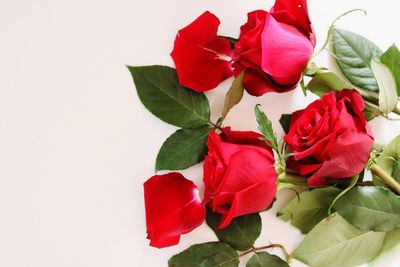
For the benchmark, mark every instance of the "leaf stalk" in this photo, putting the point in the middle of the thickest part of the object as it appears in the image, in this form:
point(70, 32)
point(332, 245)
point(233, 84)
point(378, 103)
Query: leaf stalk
point(386, 178)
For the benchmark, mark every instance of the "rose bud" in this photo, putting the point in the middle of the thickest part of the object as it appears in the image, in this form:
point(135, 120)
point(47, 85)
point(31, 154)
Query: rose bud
point(202, 59)
point(330, 138)
point(173, 207)
point(274, 47)
point(239, 174)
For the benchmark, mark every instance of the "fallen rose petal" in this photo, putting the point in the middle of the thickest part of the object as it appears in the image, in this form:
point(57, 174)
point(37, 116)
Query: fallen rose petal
point(202, 59)
point(173, 207)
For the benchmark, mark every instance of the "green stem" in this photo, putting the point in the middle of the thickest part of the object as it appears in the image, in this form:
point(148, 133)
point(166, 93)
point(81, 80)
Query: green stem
point(344, 182)
point(386, 178)
point(352, 183)
point(254, 250)
point(214, 126)
point(331, 29)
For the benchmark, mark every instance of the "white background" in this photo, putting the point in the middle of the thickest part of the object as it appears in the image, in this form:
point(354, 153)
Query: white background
point(75, 142)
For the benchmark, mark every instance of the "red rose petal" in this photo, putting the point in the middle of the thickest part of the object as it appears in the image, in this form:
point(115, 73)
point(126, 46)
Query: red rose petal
point(356, 147)
point(248, 49)
point(285, 52)
point(255, 198)
point(202, 59)
point(243, 138)
point(251, 176)
point(252, 199)
point(258, 83)
point(293, 12)
point(173, 207)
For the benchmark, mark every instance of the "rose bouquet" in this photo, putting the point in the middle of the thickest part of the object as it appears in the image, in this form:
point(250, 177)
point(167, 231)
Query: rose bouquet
point(348, 217)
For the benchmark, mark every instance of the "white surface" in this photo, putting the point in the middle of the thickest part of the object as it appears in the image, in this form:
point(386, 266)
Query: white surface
point(75, 142)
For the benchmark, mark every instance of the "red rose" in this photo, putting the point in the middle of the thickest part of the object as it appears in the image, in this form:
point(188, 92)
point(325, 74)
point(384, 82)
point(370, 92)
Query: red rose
point(239, 174)
point(173, 207)
point(274, 48)
point(202, 59)
point(330, 138)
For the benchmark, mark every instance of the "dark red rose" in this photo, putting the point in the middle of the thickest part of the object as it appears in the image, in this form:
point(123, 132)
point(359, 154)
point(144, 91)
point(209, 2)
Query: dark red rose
point(239, 174)
point(173, 207)
point(274, 47)
point(330, 138)
point(202, 59)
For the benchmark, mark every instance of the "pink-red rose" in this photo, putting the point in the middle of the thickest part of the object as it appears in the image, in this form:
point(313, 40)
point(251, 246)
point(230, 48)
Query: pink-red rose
point(239, 174)
point(273, 50)
point(330, 138)
point(274, 47)
point(173, 207)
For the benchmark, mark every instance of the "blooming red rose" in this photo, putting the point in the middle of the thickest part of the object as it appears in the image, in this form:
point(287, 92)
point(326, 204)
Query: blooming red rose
point(173, 207)
point(202, 59)
point(239, 174)
point(274, 47)
point(330, 138)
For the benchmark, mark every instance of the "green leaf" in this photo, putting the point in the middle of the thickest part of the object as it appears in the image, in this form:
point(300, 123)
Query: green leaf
point(265, 127)
point(264, 259)
point(210, 254)
point(285, 122)
point(370, 208)
point(234, 94)
point(323, 83)
point(391, 58)
point(159, 90)
point(309, 208)
point(387, 87)
point(183, 149)
point(241, 233)
point(370, 112)
point(335, 242)
point(391, 245)
point(354, 54)
point(389, 160)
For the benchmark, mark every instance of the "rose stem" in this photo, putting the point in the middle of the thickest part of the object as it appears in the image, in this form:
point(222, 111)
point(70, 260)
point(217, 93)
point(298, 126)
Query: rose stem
point(215, 126)
point(389, 180)
point(344, 182)
point(254, 249)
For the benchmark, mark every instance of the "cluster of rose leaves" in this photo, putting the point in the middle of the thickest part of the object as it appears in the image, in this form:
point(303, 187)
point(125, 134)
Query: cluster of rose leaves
point(328, 140)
